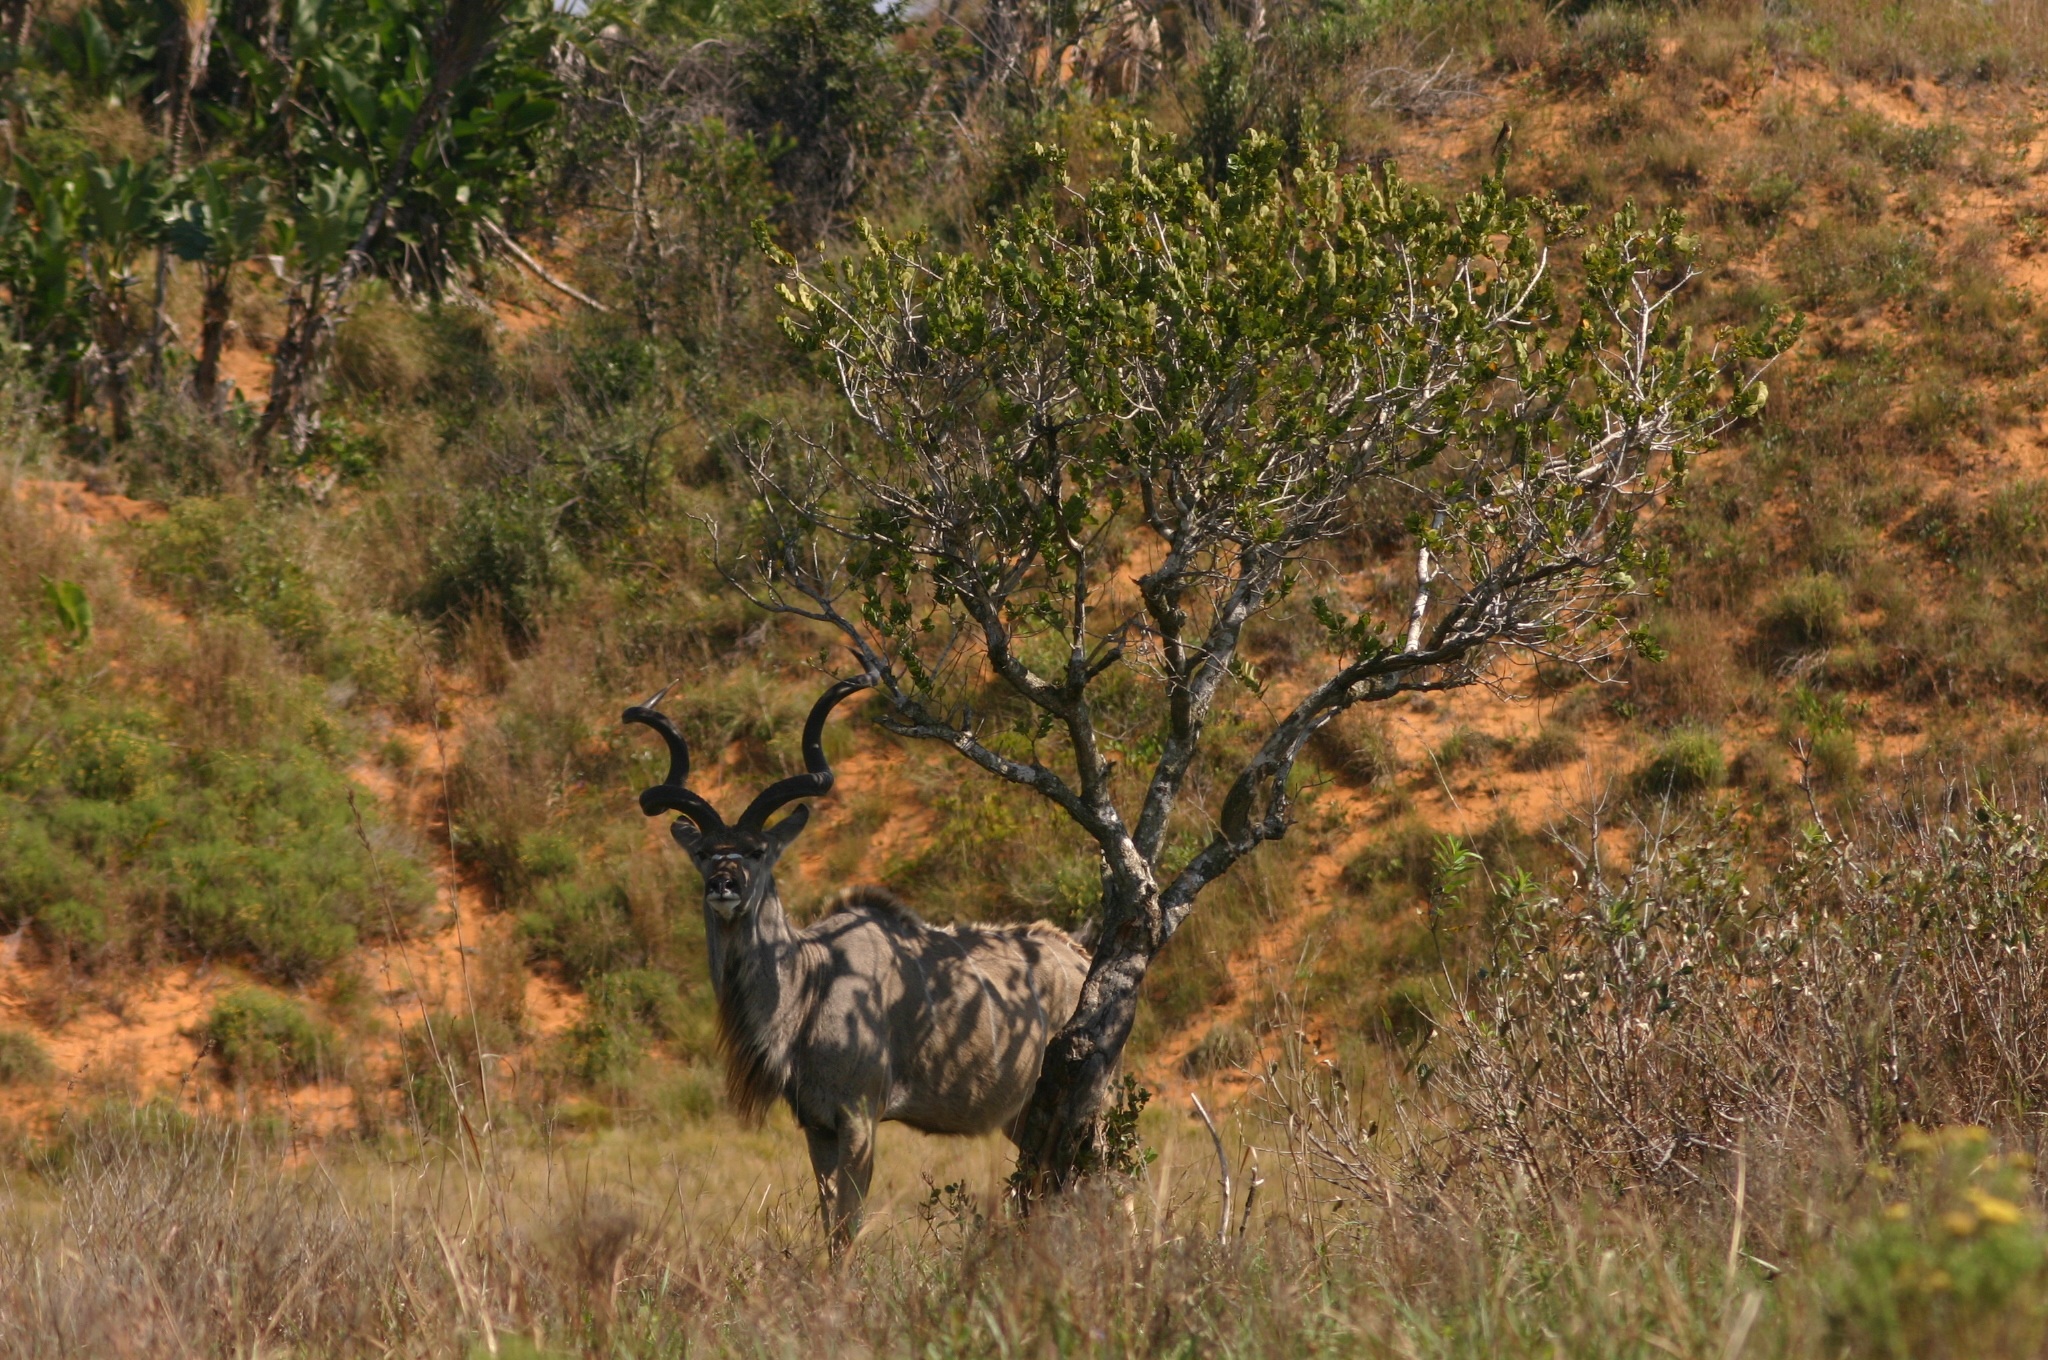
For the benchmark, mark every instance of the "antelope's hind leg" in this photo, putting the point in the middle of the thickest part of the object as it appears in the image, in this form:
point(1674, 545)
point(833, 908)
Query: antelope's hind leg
point(843, 1158)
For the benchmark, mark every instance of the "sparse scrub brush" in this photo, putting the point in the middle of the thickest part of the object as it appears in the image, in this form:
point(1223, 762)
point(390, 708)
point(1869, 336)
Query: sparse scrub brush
point(1227, 1045)
point(1355, 747)
point(1652, 1020)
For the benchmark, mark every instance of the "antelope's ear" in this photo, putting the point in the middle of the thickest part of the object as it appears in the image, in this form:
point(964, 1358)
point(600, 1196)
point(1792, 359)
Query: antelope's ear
point(783, 832)
point(685, 832)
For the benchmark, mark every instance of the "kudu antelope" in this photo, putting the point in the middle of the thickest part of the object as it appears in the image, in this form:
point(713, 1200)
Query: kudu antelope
point(870, 1014)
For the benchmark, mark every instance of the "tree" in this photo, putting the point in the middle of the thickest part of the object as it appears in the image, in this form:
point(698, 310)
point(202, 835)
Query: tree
point(391, 136)
point(69, 247)
point(219, 223)
point(413, 128)
point(1146, 415)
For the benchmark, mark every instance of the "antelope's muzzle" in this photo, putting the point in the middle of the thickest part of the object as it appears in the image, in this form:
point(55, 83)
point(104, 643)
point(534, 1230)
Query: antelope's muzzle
point(724, 889)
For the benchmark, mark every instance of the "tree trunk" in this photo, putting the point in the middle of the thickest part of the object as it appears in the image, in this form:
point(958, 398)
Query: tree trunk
point(195, 40)
point(1002, 41)
point(296, 374)
point(213, 330)
point(1060, 1139)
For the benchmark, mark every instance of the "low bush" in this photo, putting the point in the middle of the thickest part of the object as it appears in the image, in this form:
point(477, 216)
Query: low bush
point(1355, 747)
point(1833, 267)
point(1807, 614)
point(1468, 747)
point(1652, 1019)
point(645, 998)
point(584, 925)
point(182, 787)
point(448, 1065)
point(1552, 745)
point(261, 1037)
point(1225, 1047)
point(1404, 855)
point(1603, 45)
point(1836, 758)
point(499, 556)
point(1955, 1261)
point(599, 1051)
point(23, 1059)
point(224, 554)
point(1684, 764)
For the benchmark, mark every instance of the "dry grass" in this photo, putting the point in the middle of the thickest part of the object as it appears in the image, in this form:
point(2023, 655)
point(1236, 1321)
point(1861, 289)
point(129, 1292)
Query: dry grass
point(143, 1234)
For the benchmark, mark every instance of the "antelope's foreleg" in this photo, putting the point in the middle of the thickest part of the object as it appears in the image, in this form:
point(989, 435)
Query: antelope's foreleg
point(843, 1158)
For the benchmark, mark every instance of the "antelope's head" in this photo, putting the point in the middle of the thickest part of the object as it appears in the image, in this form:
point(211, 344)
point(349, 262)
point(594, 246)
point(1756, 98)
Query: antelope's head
point(737, 862)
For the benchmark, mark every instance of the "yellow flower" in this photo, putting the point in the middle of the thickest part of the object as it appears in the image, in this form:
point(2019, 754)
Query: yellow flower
point(1992, 1209)
point(1959, 1223)
point(1896, 1213)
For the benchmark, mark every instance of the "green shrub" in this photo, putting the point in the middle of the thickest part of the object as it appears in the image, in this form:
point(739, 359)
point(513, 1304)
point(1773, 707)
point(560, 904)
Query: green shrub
point(443, 1067)
point(1859, 266)
point(642, 997)
point(688, 1098)
point(224, 554)
point(1552, 746)
point(35, 870)
point(106, 758)
point(1899, 146)
point(498, 556)
point(1403, 855)
point(1808, 613)
point(72, 927)
point(1603, 45)
point(1401, 1014)
point(1835, 757)
point(583, 925)
point(599, 1051)
point(1355, 747)
point(1467, 746)
point(1687, 762)
point(260, 1036)
point(23, 1059)
point(1226, 1046)
point(383, 352)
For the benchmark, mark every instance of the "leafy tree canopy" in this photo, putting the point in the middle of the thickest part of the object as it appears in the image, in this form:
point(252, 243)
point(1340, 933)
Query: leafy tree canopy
point(1093, 453)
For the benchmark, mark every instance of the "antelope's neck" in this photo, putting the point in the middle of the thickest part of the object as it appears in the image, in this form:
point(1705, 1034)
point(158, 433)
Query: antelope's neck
point(758, 973)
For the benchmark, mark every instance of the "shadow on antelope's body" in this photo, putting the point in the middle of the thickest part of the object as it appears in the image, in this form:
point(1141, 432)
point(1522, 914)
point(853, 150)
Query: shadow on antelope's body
point(870, 1014)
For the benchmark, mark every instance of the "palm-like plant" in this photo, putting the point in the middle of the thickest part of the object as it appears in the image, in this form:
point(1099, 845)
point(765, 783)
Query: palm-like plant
point(217, 224)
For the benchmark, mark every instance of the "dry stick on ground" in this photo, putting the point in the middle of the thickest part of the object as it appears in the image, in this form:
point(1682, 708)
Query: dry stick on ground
point(539, 270)
point(1222, 1167)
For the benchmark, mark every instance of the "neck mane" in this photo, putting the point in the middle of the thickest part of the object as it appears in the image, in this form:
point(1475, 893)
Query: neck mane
point(758, 975)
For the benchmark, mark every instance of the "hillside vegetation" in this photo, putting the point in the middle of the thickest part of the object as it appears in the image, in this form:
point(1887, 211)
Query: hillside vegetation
point(348, 1005)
